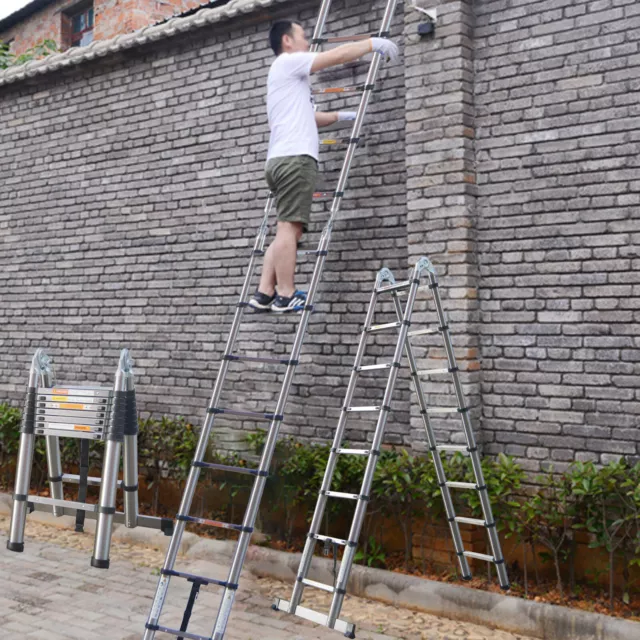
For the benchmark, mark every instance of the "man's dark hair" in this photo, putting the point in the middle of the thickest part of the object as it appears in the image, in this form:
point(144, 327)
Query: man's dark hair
point(278, 30)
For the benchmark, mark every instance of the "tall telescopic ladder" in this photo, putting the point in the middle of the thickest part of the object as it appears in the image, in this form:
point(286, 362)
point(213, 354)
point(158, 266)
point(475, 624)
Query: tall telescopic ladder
point(402, 325)
point(274, 417)
point(85, 413)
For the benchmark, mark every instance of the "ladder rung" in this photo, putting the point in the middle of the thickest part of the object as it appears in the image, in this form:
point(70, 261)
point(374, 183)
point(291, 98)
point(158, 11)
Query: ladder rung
point(474, 521)
point(334, 39)
point(442, 409)
point(353, 89)
point(317, 536)
point(383, 327)
point(427, 372)
point(227, 467)
point(69, 504)
point(325, 194)
point(334, 141)
point(479, 556)
point(369, 408)
point(375, 367)
point(423, 332)
point(398, 286)
point(461, 485)
point(340, 494)
point(318, 585)
point(201, 579)
point(315, 616)
point(216, 523)
point(235, 358)
point(457, 448)
point(354, 452)
point(73, 478)
point(249, 414)
point(309, 252)
point(175, 632)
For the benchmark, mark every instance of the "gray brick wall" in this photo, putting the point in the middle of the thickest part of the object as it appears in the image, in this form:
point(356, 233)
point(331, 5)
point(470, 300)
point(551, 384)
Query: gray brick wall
point(557, 89)
point(132, 191)
point(505, 148)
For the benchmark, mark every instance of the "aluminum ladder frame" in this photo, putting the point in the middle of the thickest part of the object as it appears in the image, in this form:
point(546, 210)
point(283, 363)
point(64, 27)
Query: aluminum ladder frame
point(275, 418)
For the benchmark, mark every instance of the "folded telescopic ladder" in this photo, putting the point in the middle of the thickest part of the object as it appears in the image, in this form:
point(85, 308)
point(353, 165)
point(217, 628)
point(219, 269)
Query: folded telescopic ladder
point(85, 413)
point(386, 284)
point(276, 416)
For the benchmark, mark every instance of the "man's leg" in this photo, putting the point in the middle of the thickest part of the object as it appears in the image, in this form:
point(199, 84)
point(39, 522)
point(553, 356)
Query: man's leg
point(280, 260)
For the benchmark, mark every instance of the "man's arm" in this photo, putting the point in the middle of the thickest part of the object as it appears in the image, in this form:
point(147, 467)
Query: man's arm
point(354, 51)
point(325, 118)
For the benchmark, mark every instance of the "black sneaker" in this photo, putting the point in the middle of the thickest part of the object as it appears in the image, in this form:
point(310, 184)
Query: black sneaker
point(261, 301)
point(296, 302)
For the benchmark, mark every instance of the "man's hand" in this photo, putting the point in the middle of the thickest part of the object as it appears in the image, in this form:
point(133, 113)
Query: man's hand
point(347, 115)
point(386, 48)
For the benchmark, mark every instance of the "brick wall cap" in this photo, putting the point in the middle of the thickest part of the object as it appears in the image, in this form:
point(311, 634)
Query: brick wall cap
point(100, 48)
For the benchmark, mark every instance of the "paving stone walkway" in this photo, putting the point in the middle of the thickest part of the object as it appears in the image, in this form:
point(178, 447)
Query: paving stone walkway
point(51, 592)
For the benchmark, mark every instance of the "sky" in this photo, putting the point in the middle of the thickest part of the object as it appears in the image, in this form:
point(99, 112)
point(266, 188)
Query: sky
point(7, 7)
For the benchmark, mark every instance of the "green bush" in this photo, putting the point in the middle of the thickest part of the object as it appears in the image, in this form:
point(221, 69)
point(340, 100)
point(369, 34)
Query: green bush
point(8, 59)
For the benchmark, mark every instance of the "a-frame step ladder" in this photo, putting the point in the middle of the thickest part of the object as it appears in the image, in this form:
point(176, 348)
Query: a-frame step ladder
point(274, 417)
point(85, 413)
point(402, 324)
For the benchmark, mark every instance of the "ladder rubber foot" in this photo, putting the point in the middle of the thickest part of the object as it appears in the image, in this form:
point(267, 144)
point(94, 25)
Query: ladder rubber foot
point(467, 578)
point(506, 587)
point(350, 635)
point(99, 564)
point(275, 607)
point(18, 547)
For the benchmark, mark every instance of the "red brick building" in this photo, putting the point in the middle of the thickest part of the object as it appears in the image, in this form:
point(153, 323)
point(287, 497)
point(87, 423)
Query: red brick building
point(78, 22)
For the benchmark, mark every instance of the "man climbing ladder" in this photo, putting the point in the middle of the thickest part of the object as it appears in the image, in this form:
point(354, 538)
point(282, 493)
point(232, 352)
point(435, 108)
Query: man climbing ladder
point(274, 416)
point(292, 159)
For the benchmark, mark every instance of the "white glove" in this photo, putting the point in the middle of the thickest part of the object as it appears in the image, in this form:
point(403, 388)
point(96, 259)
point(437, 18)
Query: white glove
point(386, 48)
point(347, 115)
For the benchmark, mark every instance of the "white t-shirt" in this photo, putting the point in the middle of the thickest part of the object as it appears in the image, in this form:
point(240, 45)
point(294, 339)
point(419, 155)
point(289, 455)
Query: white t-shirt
point(290, 107)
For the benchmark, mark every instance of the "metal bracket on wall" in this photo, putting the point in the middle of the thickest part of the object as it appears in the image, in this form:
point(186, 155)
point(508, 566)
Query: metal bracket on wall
point(426, 28)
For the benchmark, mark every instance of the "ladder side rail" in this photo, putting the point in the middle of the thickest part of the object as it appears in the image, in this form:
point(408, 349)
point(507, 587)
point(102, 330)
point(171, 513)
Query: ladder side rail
point(471, 441)
point(270, 445)
point(205, 433)
point(130, 448)
point(357, 125)
point(361, 507)
point(310, 544)
point(40, 374)
point(54, 469)
point(435, 456)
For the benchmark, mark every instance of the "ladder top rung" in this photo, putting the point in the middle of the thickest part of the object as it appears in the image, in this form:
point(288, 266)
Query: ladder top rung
point(227, 467)
point(474, 521)
point(317, 536)
point(317, 585)
point(175, 632)
point(215, 523)
point(462, 485)
point(194, 578)
point(383, 327)
point(398, 286)
point(375, 367)
point(479, 556)
point(354, 452)
point(368, 408)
